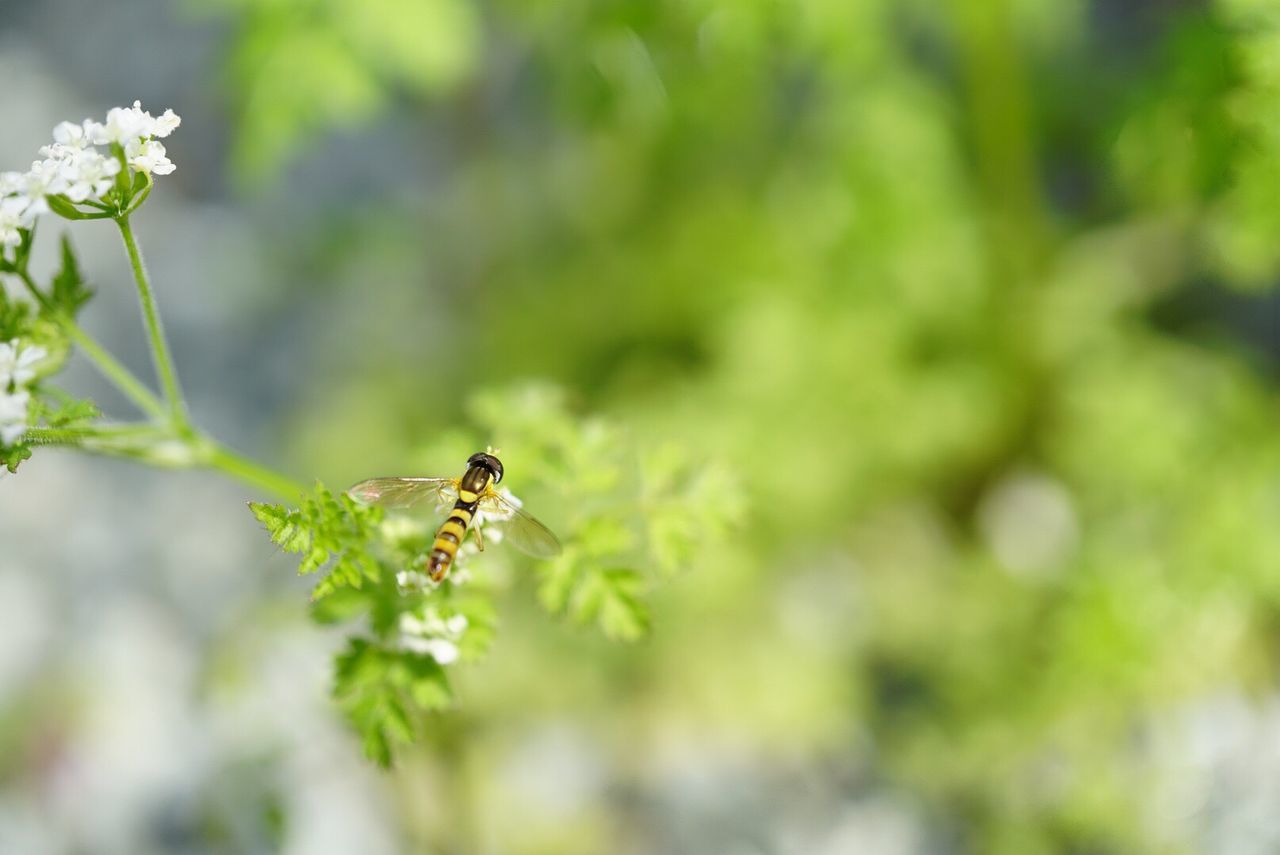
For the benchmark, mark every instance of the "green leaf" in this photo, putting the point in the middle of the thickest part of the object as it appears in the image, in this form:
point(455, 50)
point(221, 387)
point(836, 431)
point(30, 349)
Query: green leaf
point(14, 317)
point(22, 254)
point(482, 623)
point(283, 525)
point(612, 598)
point(63, 207)
point(11, 458)
point(64, 413)
point(339, 605)
point(380, 689)
point(316, 558)
point(558, 579)
point(605, 535)
point(69, 291)
point(427, 683)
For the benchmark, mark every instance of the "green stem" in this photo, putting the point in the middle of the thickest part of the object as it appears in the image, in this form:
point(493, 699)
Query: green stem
point(1002, 125)
point(147, 443)
point(129, 440)
point(160, 353)
point(254, 474)
point(124, 380)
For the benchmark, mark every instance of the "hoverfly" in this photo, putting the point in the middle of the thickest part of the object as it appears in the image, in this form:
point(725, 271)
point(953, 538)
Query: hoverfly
point(471, 494)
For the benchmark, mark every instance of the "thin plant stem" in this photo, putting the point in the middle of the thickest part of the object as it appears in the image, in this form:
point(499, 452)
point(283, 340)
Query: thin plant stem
point(254, 474)
point(160, 353)
point(141, 442)
point(125, 381)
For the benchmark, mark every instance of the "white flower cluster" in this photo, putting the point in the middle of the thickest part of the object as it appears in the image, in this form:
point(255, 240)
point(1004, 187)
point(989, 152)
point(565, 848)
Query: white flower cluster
point(16, 372)
point(73, 166)
point(432, 635)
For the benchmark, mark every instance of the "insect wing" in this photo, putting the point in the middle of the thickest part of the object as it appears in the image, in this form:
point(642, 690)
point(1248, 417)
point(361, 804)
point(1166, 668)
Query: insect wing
point(404, 492)
point(529, 536)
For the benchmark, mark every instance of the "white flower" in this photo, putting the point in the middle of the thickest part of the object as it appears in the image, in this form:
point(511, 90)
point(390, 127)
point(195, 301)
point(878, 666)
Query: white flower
point(16, 362)
point(13, 416)
point(443, 651)
point(148, 156)
point(126, 124)
point(166, 124)
point(70, 135)
point(412, 580)
point(123, 124)
point(11, 183)
point(12, 218)
point(433, 635)
point(43, 179)
point(87, 174)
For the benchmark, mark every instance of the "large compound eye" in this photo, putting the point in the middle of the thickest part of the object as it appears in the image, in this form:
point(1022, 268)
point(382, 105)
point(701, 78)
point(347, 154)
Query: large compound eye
point(488, 461)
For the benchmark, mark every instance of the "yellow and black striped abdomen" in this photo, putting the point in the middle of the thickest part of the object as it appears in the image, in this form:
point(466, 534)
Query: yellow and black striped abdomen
point(449, 536)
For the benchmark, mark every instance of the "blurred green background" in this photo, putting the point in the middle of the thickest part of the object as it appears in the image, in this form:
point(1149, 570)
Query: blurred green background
point(976, 299)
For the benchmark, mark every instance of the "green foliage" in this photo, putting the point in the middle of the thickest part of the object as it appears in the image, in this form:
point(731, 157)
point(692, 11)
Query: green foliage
point(15, 317)
point(328, 531)
point(913, 325)
point(383, 691)
point(612, 597)
point(916, 273)
point(13, 456)
point(58, 410)
point(68, 292)
point(600, 492)
point(306, 66)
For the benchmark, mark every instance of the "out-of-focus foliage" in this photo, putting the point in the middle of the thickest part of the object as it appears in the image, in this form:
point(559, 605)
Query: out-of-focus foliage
point(931, 278)
point(303, 66)
point(937, 353)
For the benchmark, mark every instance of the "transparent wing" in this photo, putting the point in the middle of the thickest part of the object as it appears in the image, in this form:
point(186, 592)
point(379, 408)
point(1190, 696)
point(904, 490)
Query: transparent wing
point(528, 535)
point(404, 492)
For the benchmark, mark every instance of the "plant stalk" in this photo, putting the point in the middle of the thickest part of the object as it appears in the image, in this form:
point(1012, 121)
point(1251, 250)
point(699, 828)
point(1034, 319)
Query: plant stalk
point(161, 356)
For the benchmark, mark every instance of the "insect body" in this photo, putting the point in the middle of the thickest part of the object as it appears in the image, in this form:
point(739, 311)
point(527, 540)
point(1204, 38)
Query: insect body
point(473, 495)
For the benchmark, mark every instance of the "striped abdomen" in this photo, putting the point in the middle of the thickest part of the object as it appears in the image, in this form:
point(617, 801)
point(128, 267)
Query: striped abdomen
point(449, 535)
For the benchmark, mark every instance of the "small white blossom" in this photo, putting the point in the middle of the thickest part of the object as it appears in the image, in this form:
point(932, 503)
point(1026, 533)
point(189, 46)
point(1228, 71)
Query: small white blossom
point(11, 183)
point(126, 124)
point(442, 650)
point(16, 363)
point(12, 217)
point(148, 156)
point(13, 415)
point(166, 124)
point(16, 371)
point(87, 174)
point(433, 635)
point(70, 135)
point(412, 580)
point(43, 179)
point(123, 125)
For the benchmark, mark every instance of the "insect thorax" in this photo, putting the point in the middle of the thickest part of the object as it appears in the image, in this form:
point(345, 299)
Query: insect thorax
point(476, 480)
